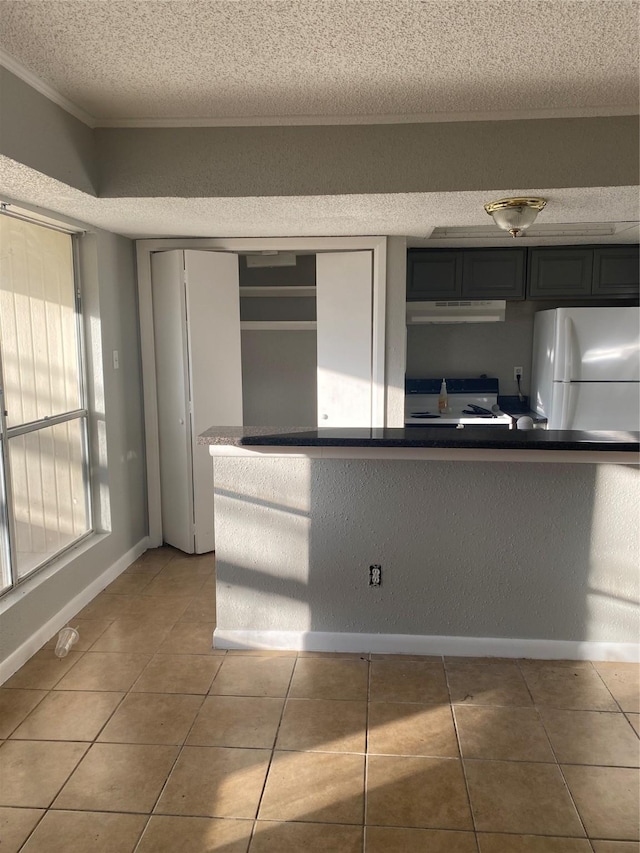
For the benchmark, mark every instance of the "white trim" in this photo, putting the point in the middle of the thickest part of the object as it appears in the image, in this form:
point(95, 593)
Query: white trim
point(418, 644)
point(434, 454)
point(144, 248)
point(402, 118)
point(43, 634)
point(31, 79)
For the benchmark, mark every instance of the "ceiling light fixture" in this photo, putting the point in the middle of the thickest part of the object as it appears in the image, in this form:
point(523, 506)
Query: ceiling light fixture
point(515, 215)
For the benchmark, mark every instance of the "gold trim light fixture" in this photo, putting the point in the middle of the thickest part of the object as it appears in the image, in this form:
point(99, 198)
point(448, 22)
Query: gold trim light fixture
point(515, 215)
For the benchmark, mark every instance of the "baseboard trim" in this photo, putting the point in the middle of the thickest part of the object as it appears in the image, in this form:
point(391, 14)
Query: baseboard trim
point(416, 644)
point(21, 655)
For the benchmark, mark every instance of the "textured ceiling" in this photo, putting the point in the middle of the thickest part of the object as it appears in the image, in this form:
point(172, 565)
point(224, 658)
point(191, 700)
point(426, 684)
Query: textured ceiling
point(252, 60)
point(413, 214)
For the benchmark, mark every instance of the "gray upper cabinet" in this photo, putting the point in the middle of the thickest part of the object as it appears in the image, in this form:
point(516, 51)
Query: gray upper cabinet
point(559, 272)
point(465, 274)
point(583, 271)
point(616, 271)
point(493, 274)
point(433, 274)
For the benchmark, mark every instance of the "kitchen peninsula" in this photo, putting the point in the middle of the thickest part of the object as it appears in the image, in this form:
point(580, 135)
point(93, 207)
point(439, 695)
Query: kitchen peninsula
point(517, 552)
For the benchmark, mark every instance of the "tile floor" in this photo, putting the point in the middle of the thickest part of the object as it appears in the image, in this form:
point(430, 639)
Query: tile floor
point(144, 738)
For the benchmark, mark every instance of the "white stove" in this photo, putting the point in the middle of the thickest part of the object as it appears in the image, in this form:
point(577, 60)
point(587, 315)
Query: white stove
point(470, 403)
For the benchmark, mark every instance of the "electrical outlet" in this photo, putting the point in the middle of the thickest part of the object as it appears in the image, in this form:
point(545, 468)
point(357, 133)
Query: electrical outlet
point(375, 575)
point(517, 372)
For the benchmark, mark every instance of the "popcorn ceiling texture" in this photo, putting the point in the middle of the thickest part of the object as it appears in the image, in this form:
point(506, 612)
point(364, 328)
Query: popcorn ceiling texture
point(250, 59)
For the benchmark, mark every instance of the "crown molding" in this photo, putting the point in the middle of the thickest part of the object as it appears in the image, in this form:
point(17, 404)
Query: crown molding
point(31, 79)
point(413, 118)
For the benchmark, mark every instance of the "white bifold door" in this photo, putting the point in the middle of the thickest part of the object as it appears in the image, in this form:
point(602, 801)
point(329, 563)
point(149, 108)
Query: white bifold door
point(196, 316)
point(197, 332)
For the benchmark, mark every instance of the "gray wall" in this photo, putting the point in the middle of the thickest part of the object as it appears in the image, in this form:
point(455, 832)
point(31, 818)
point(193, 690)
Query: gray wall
point(516, 550)
point(109, 295)
point(436, 157)
point(279, 377)
point(40, 134)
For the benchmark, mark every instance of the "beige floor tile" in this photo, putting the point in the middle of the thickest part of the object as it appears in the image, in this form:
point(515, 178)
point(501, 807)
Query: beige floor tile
point(325, 678)
point(107, 607)
point(488, 684)
point(408, 681)
point(178, 674)
point(591, 737)
point(185, 585)
point(43, 671)
point(253, 676)
point(315, 787)
point(495, 843)
point(272, 837)
point(338, 655)
point(437, 659)
point(241, 721)
point(634, 719)
point(165, 610)
point(521, 797)
point(262, 653)
point(69, 715)
point(403, 728)
point(209, 781)
point(162, 718)
point(32, 772)
point(607, 799)
point(15, 705)
point(451, 662)
point(143, 568)
point(323, 725)
point(131, 584)
point(510, 734)
point(387, 839)
point(88, 630)
point(117, 777)
point(190, 638)
point(63, 832)
point(15, 826)
point(104, 671)
point(615, 846)
point(572, 688)
point(196, 566)
point(195, 835)
point(623, 680)
point(125, 635)
point(417, 792)
point(200, 610)
point(532, 664)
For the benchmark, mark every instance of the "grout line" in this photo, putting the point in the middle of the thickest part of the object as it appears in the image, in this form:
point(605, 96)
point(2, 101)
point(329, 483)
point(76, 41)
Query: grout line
point(273, 749)
point(366, 757)
point(462, 760)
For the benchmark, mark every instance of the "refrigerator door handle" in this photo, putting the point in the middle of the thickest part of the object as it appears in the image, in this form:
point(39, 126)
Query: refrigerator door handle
point(568, 405)
point(571, 351)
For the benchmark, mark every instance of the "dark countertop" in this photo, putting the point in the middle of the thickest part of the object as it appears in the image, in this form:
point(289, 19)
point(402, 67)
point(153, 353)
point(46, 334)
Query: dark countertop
point(469, 437)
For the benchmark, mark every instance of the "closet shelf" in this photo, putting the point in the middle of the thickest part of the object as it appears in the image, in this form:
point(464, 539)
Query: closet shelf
point(278, 291)
point(272, 325)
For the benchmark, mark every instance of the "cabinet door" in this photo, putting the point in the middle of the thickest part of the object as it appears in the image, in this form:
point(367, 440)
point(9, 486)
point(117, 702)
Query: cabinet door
point(559, 272)
point(616, 271)
point(172, 379)
point(433, 274)
point(493, 274)
point(344, 298)
point(215, 372)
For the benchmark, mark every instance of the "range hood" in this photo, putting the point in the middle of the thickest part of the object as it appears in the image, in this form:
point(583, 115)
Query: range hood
point(465, 311)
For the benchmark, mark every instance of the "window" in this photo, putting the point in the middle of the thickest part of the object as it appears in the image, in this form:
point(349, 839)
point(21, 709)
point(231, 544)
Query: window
point(44, 478)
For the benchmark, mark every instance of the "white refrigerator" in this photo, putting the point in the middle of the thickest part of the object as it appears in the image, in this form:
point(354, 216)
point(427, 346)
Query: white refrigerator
point(586, 368)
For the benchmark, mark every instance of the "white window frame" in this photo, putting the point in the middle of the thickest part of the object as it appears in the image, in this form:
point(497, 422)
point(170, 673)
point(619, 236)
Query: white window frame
point(144, 249)
point(7, 542)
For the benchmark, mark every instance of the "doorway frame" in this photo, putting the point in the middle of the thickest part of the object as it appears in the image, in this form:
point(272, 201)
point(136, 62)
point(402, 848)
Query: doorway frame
point(144, 250)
